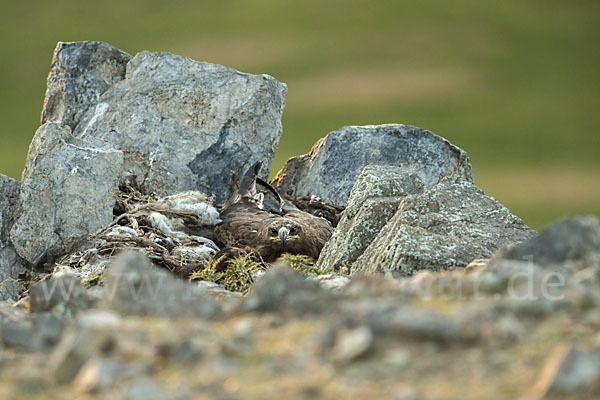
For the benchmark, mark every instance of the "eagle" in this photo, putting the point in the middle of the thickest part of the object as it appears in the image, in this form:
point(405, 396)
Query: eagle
point(252, 224)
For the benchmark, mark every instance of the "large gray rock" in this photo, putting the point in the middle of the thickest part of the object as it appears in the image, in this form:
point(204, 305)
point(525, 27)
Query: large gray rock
point(133, 286)
point(183, 124)
point(374, 199)
point(446, 227)
point(331, 167)
point(571, 238)
point(68, 191)
point(10, 262)
point(80, 73)
point(9, 290)
point(9, 196)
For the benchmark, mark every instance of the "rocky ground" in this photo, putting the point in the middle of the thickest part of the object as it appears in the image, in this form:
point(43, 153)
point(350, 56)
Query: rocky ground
point(501, 328)
point(428, 288)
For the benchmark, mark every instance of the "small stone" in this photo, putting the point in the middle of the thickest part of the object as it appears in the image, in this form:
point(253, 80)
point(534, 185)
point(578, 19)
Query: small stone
point(351, 344)
point(571, 238)
point(180, 351)
point(48, 329)
point(418, 324)
point(17, 334)
point(87, 339)
point(145, 389)
point(283, 289)
point(99, 318)
point(62, 293)
point(100, 374)
point(405, 393)
point(476, 265)
point(133, 286)
point(75, 348)
point(244, 329)
point(95, 293)
point(567, 370)
point(397, 358)
point(333, 282)
point(420, 282)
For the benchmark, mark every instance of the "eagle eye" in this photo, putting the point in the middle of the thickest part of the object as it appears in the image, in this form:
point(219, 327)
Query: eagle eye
point(273, 231)
point(293, 230)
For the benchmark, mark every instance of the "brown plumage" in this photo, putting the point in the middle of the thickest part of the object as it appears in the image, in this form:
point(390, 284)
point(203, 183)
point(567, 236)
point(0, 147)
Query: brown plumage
point(247, 226)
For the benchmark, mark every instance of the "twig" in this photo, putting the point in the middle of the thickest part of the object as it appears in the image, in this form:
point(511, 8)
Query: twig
point(128, 215)
point(166, 257)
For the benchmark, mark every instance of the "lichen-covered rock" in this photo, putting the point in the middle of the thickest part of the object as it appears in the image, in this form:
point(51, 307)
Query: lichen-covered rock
point(80, 73)
point(571, 238)
point(184, 124)
point(9, 289)
point(374, 199)
point(446, 227)
point(133, 286)
point(10, 263)
point(9, 189)
point(68, 191)
point(331, 167)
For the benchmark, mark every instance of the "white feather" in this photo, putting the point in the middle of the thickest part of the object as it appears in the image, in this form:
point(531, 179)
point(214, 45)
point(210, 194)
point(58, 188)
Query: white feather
point(188, 203)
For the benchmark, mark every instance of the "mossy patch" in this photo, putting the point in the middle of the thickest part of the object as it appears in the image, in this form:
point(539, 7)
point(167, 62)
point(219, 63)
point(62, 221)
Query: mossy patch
point(94, 279)
point(239, 275)
point(242, 271)
point(303, 264)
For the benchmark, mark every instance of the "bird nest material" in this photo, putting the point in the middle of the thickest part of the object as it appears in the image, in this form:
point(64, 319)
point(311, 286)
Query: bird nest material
point(173, 231)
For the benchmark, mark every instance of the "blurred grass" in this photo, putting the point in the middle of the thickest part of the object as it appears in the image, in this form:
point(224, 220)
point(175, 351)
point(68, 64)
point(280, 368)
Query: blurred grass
point(514, 83)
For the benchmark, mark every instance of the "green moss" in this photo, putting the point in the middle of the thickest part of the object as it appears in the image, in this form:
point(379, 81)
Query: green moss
point(303, 264)
point(242, 271)
point(238, 277)
point(95, 279)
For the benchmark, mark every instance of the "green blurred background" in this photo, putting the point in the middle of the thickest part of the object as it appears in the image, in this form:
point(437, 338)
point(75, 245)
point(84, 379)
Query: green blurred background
point(516, 83)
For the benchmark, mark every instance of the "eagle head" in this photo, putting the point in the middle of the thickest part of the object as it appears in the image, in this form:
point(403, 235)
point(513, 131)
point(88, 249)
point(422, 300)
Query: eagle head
point(283, 232)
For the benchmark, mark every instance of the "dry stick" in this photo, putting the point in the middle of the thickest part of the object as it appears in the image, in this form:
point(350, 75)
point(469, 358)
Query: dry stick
point(120, 217)
point(167, 258)
point(112, 223)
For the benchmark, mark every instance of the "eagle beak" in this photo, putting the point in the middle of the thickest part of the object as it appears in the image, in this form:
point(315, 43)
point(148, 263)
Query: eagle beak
point(283, 234)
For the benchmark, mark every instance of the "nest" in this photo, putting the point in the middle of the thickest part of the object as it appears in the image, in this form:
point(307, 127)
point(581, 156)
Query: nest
point(173, 232)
